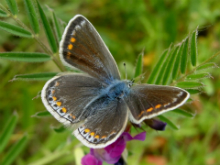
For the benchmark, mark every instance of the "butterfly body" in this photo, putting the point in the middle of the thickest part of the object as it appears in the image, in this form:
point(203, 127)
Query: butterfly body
point(98, 102)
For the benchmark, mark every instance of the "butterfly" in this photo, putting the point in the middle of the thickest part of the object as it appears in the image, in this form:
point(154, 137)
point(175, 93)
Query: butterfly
point(97, 101)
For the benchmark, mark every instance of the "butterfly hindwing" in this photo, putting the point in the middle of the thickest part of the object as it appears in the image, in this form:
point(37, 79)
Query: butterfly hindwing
point(82, 47)
point(66, 96)
point(148, 101)
point(105, 125)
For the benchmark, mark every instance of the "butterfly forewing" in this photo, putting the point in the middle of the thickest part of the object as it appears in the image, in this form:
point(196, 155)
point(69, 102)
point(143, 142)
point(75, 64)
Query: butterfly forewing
point(148, 101)
point(66, 96)
point(83, 48)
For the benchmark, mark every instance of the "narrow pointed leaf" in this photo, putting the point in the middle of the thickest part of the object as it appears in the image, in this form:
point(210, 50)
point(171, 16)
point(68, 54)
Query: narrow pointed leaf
point(157, 68)
point(139, 66)
point(193, 47)
point(32, 15)
point(183, 112)
point(12, 5)
point(198, 76)
point(3, 14)
point(14, 151)
point(7, 131)
point(193, 91)
point(177, 62)
point(60, 129)
point(165, 64)
point(25, 56)
point(169, 123)
point(48, 30)
point(18, 31)
point(57, 27)
point(207, 66)
point(189, 84)
point(184, 56)
point(169, 67)
point(41, 114)
point(35, 76)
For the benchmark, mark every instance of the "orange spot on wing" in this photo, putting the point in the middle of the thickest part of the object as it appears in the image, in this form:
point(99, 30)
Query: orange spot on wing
point(68, 54)
point(53, 91)
point(64, 110)
point(158, 106)
point(87, 130)
point(59, 103)
point(113, 132)
point(103, 137)
point(141, 114)
point(57, 84)
point(70, 46)
point(72, 39)
point(150, 109)
point(92, 133)
point(97, 136)
point(54, 98)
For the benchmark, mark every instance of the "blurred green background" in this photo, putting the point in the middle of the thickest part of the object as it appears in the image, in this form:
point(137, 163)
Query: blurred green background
point(127, 26)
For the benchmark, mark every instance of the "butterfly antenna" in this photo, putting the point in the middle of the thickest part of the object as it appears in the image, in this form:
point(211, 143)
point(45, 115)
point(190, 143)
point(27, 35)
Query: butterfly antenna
point(125, 70)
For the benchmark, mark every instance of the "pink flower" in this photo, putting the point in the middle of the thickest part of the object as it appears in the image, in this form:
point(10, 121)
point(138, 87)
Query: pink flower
point(112, 153)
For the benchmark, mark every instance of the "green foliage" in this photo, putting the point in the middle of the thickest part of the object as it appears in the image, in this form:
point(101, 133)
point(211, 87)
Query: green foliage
point(47, 29)
point(3, 14)
point(25, 56)
point(32, 15)
point(5, 136)
point(18, 31)
point(12, 6)
point(139, 65)
point(7, 131)
point(35, 76)
point(130, 28)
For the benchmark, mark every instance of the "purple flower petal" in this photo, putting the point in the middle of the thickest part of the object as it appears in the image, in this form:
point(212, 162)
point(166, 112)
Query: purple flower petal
point(141, 136)
point(89, 159)
point(112, 153)
point(156, 124)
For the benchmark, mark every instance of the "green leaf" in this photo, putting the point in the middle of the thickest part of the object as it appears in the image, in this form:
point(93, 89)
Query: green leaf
point(25, 56)
point(139, 65)
point(165, 64)
point(177, 62)
point(169, 123)
point(18, 31)
point(183, 112)
point(57, 26)
point(169, 67)
point(35, 76)
point(14, 151)
point(12, 5)
point(3, 14)
point(48, 30)
point(198, 76)
point(7, 131)
point(154, 74)
point(193, 47)
point(189, 84)
point(184, 56)
point(60, 129)
point(41, 114)
point(207, 66)
point(32, 15)
point(193, 91)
